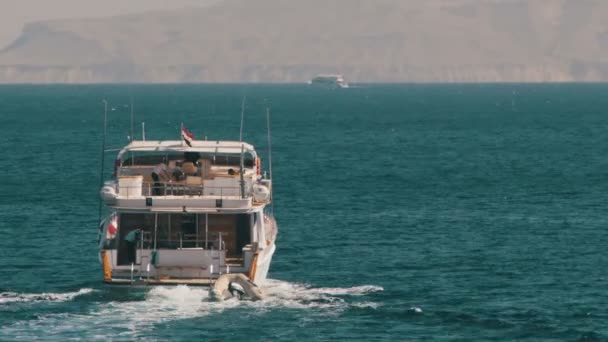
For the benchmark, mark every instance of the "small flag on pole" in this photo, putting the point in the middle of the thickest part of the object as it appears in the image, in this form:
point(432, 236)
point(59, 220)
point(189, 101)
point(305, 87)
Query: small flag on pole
point(187, 136)
point(112, 227)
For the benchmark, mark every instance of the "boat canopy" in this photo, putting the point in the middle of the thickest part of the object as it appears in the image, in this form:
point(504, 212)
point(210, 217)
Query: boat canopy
point(177, 146)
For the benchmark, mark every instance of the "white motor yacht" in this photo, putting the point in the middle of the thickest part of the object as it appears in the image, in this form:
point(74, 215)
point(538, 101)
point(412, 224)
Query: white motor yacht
point(205, 214)
point(329, 80)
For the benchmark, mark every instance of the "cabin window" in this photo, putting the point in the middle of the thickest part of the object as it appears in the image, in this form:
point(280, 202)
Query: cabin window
point(233, 160)
point(155, 158)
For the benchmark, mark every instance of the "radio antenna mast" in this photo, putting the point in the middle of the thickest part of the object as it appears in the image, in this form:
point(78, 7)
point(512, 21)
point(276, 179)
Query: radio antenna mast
point(103, 149)
point(270, 159)
point(131, 106)
point(242, 118)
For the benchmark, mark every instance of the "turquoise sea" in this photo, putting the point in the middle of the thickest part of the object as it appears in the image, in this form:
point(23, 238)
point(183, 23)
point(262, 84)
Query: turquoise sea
point(406, 212)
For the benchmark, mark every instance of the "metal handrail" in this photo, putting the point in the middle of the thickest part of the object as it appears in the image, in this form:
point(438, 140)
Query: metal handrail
point(214, 244)
point(181, 189)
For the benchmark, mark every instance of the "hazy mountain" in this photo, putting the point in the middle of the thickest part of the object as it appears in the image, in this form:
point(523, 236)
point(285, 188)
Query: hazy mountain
point(291, 41)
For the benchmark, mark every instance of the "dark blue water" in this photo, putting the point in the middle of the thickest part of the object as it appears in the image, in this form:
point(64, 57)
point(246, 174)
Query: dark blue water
point(406, 212)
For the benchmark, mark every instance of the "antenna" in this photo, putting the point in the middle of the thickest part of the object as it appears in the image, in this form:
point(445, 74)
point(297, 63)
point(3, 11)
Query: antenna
point(242, 118)
point(270, 159)
point(103, 149)
point(131, 99)
point(143, 131)
point(181, 131)
point(241, 167)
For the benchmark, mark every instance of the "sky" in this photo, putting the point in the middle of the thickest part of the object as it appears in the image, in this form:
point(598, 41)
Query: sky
point(15, 13)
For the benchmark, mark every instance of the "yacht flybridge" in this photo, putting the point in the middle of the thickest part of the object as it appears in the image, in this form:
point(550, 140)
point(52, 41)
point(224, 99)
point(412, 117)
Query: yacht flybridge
point(187, 212)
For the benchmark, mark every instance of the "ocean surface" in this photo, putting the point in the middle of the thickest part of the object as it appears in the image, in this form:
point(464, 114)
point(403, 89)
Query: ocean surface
point(406, 212)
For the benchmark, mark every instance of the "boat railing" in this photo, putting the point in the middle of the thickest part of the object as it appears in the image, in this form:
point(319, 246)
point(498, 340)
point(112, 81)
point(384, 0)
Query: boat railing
point(182, 243)
point(215, 241)
point(151, 189)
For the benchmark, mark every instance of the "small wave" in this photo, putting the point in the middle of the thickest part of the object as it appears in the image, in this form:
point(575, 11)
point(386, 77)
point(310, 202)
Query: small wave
point(415, 309)
point(14, 297)
point(299, 296)
point(278, 287)
point(350, 291)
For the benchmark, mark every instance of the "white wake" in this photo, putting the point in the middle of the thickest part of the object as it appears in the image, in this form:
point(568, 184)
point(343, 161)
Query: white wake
point(124, 319)
point(14, 297)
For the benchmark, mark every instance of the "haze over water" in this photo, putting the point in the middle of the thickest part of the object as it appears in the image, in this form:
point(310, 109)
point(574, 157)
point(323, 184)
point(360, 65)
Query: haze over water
point(432, 212)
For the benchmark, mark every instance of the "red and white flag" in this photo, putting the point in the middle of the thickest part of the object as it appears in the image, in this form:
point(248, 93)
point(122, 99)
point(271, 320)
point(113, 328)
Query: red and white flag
point(112, 228)
point(187, 136)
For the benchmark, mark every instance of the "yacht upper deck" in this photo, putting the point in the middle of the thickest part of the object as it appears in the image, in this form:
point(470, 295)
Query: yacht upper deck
point(170, 175)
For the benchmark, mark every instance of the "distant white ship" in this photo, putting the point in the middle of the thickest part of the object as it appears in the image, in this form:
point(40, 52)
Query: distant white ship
point(329, 80)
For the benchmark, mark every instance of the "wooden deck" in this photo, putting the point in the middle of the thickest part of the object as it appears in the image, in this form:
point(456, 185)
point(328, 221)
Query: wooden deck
point(164, 281)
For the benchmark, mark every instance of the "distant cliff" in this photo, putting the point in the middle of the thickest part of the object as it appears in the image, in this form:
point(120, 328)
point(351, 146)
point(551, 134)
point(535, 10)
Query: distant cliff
point(291, 41)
